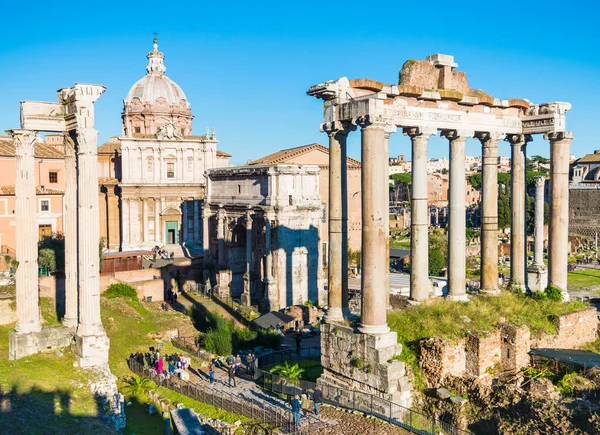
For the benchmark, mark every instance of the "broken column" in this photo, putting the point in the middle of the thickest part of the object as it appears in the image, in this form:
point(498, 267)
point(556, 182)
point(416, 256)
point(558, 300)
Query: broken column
point(271, 298)
point(246, 299)
point(537, 273)
point(28, 300)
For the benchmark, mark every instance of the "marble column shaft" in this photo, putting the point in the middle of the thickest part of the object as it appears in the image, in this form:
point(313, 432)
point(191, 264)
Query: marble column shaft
point(90, 322)
point(126, 216)
point(457, 219)
point(344, 195)
point(184, 220)
point(558, 240)
point(248, 243)
point(517, 205)
point(375, 237)
point(419, 230)
point(28, 299)
point(146, 221)
point(205, 233)
point(70, 224)
point(538, 228)
point(489, 212)
point(270, 284)
point(221, 237)
point(337, 141)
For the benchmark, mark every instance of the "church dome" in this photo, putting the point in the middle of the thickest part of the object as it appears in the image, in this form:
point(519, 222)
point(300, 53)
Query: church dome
point(155, 101)
point(155, 84)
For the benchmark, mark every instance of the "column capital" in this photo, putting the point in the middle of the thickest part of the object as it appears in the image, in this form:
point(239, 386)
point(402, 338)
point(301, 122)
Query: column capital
point(23, 140)
point(558, 136)
point(337, 128)
point(489, 138)
point(518, 139)
point(453, 135)
point(249, 219)
point(374, 121)
point(413, 132)
point(539, 181)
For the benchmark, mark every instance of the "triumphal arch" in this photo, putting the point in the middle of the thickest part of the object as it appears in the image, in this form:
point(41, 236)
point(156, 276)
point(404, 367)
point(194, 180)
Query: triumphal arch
point(72, 115)
point(431, 96)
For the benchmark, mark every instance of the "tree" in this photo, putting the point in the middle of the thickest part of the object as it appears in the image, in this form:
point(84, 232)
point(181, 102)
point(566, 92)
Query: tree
point(503, 208)
point(47, 259)
point(401, 181)
point(539, 160)
point(504, 178)
point(476, 179)
point(438, 252)
point(56, 244)
point(291, 373)
point(135, 385)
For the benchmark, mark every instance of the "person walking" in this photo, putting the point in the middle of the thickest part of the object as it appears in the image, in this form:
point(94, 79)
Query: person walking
point(298, 342)
point(211, 371)
point(305, 403)
point(296, 406)
point(317, 399)
point(249, 363)
point(232, 375)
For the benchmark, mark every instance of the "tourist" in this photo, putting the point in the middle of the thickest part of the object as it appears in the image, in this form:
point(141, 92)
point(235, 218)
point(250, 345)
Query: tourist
point(211, 371)
point(305, 402)
point(231, 375)
point(174, 297)
point(317, 399)
point(160, 365)
point(249, 361)
point(230, 360)
point(298, 341)
point(172, 257)
point(171, 368)
point(238, 362)
point(296, 406)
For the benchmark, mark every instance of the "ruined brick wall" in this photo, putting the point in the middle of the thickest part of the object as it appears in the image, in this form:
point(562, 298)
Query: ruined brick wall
point(584, 208)
point(574, 330)
point(482, 352)
point(515, 346)
point(439, 359)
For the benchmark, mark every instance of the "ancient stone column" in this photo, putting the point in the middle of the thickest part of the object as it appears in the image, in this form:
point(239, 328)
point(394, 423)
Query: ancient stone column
point(70, 225)
point(558, 240)
point(537, 273)
point(222, 261)
point(28, 298)
point(184, 221)
point(196, 221)
point(145, 220)
point(375, 237)
point(126, 217)
point(245, 299)
point(419, 230)
point(344, 195)
point(157, 226)
point(517, 205)
point(207, 261)
point(489, 212)
point(337, 141)
point(271, 296)
point(457, 219)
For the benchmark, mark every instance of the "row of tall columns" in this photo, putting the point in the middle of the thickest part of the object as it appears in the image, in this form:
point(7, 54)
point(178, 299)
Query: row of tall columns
point(28, 300)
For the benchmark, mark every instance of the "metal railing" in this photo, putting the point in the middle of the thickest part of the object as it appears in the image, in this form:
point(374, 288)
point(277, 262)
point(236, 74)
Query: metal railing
point(250, 407)
point(386, 410)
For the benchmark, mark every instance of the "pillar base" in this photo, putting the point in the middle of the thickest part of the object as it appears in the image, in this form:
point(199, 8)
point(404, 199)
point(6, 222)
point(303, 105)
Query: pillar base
point(364, 363)
point(245, 299)
point(491, 292)
point(270, 301)
point(458, 298)
point(565, 296)
point(223, 278)
point(334, 315)
point(374, 329)
point(537, 278)
point(21, 345)
point(70, 323)
point(92, 350)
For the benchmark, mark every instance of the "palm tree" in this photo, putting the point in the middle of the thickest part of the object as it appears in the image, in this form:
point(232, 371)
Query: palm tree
point(135, 385)
point(291, 373)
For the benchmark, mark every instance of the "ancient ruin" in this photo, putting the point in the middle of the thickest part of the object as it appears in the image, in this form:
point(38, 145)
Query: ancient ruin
point(431, 96)
point(73, 115)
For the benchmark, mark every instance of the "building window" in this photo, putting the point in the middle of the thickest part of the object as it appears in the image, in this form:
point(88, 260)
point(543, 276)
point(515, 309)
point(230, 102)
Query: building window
point(44, 231)
point(171, 170)
point(53, 177)
point(137, 129)
point(45, 205)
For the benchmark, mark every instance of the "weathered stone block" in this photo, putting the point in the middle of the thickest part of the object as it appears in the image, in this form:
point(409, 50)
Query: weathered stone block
point(92, 350)
point(21, 345)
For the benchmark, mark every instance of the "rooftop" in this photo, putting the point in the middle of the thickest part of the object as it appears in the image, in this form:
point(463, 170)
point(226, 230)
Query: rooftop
point(42, 150)
point(288, 155)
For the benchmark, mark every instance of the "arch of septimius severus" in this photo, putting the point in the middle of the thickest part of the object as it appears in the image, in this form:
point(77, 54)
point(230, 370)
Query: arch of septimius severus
point(73, 115)
point(431, 96)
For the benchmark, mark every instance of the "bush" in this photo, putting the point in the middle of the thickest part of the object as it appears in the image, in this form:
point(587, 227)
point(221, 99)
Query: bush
point(218, 341)
point(357, 362)
point(553, 293)
point(121, 290)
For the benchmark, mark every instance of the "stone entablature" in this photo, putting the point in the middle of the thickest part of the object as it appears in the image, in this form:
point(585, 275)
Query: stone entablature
point(261, 235)
point(504, 348)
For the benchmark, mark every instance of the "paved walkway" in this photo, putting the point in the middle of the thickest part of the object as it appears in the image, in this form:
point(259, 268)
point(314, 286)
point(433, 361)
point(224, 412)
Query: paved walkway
point(247, 388)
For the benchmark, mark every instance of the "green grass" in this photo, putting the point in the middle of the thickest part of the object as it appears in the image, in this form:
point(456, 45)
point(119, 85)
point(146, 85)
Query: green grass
point(583, 278)
point(400, 244)
point(312, 369)
point(441, 318)
point(48, 310)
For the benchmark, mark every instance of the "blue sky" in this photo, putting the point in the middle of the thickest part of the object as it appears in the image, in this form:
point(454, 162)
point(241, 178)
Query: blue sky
point(245, 67)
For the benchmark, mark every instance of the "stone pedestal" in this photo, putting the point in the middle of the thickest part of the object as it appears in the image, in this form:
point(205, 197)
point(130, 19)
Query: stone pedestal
point(92, 350)
point(364, 362)
point(537, 277)
point(223, 277)
point(22, 345)
point(245, 298)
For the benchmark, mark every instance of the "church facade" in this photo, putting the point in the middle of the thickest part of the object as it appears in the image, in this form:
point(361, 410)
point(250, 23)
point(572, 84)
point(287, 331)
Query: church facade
point(152, 177)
